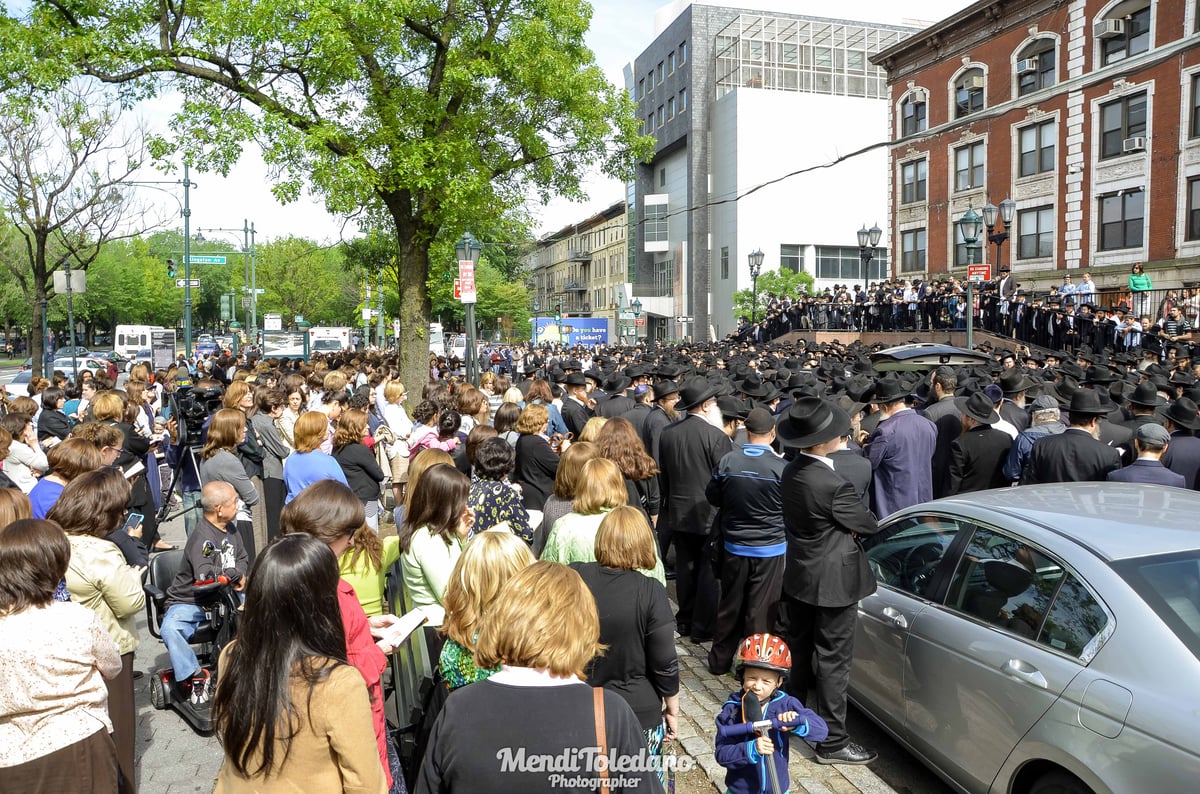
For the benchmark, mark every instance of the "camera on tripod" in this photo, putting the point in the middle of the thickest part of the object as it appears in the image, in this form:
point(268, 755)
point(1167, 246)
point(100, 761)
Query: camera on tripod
point(192, 407)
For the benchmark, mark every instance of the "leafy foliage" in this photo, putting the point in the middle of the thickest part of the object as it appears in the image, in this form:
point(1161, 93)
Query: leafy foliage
point(781, 283)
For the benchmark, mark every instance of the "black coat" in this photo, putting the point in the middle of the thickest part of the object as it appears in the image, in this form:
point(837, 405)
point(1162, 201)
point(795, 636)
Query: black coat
point(535, 470)
point(977, 460)
point(1072, 456)
point(652, 427)
point(690, 451)
point(826, 565)
point(857, 469)
point(1183, 456)
point(53, 424)
point(616, 405)
point(575, 415)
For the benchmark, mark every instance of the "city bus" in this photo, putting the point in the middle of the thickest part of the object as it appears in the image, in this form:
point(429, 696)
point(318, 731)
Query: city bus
point(129, 339)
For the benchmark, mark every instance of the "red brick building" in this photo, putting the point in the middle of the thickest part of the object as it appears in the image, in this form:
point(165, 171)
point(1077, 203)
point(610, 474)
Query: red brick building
point(1086, 113)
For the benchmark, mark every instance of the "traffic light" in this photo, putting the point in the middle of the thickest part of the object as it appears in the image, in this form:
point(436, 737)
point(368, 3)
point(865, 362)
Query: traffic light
point(558, 311)
point(171, 268)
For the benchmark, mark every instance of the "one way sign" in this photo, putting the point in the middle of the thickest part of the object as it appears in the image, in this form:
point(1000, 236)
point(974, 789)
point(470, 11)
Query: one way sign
point(682, 319)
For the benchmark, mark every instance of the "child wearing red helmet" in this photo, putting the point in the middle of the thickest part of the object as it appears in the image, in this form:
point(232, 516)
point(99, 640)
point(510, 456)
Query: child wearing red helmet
point(744, 750)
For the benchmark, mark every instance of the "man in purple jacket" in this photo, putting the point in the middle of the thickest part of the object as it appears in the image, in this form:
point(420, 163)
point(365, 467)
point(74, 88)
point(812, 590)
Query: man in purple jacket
point(900, 450)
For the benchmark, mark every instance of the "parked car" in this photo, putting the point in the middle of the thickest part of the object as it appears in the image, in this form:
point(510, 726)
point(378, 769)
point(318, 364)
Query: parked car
point(1039, 639)
point(19, 385)
point(98, 366)
point(65, 352)
point(206, 344)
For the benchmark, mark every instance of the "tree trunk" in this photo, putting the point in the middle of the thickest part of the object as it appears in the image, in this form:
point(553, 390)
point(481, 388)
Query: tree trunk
point(37, 341)
point(412, 277)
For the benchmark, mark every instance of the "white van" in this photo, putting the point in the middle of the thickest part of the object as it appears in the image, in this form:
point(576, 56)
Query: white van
point(326, 339)
point(437, 339)
point(129, 339)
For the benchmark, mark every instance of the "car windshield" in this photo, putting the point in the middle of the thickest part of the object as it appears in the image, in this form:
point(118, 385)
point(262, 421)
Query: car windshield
point(1170, 585)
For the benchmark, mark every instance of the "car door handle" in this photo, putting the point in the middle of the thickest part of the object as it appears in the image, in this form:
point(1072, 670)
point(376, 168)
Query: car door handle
point(896, 616)
point(1024, 671)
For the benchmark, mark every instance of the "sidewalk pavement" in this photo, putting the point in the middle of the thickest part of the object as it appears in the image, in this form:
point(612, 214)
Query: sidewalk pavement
point(700, 697)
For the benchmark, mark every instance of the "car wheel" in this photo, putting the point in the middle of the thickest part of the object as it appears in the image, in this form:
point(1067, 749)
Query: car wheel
point(1059, 782)
point(158, 692)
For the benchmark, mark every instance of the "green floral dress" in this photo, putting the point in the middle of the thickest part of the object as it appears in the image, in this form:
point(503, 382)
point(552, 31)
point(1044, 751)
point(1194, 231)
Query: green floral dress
point(459, 668)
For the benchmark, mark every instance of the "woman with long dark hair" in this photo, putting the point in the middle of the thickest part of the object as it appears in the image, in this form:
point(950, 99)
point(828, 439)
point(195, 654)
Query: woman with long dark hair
point(619, 443)
point(362, 471)
point(289, 709)
point(436, 525)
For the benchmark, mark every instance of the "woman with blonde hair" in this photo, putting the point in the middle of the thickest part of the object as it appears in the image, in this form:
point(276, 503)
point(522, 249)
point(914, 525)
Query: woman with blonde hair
point(591, 430)
point(424, 460)
point(398, 421)
point(490, 560)
point(541, 631)
point(219, 462)
point(566, 483)
point(636, 624)
point(573, 537)
point(536, 462)
point(308, 464)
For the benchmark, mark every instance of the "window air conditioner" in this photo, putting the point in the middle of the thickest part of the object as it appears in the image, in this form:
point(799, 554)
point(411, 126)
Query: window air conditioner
point(1134, 144)
point(1027, 66)
point(973, 82)
point(1109, 28)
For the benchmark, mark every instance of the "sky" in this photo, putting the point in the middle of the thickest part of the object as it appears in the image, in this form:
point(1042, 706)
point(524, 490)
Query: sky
point(620, 30)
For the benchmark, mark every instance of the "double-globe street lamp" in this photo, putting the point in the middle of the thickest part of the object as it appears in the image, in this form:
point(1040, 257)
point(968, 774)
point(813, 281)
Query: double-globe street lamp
point(969, 227)
point(1007, 211)
point(868, 239)
point(756, 260)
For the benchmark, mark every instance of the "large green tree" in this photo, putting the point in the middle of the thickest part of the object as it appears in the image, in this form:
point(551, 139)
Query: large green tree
point(782, 283)
point(432, 113)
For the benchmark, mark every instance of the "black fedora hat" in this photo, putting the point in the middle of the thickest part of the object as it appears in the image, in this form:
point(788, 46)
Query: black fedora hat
point(575, 378)
point(665, 388)
point(1184, 413)
point(1099, 374)
point(978, 406)
point(616, 383)
point(733, 408)
point(1086, 402)
point(1146, 395)
point(888, 389)
point(753, 386)
point(810, 421)
point(1015, 381)
point(693, 392)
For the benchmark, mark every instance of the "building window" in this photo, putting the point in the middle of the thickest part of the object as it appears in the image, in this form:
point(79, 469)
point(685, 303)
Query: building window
point(1035, 233)
point(1036, 146)
point(968, 93)
point(662, 72)
point(1122, 216)
point(1193, 209)
point(969, 166)
point(649, 123)
point(682, 99)
point(1120, 120)
point(791, 257)
point(912, 116)
point(962, 255)
point(662, 177)
point(671, 107)
point(662, 118)
point(671, 62)
point(650, 82)
point(912, 250)
point(1194, 126)
point(845, 264)
point(913, 181)
point(1123, 36)
point(683, 53)
point(1035, 67)
point(656, 223)
point(724, 262)
point(641, 89)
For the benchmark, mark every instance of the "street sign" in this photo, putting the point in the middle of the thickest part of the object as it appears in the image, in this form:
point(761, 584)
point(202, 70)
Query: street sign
point(272, 322)
point(979, 273)
point(256, 292)
point(366, 314)
point(245, 303)
point(457, 289)
point(640, 321)
point(196, 259)
point(183, 282)
point(683, 319)
point(466, 278)
point(162, 347)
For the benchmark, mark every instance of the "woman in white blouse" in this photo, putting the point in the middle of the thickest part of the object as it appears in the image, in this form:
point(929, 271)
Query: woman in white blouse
point(26, 461)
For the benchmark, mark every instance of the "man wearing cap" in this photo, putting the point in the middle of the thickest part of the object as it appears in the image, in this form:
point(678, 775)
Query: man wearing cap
point(689, 452)
point(827, 571)
point(1151, 441)
point(745, 488)
point(946, 417)
point(1182, 419)
point(641, 408)
point(900, 449)
point(1046, 421)
point(576, 408)
point(979, 453)
point(1076, 455)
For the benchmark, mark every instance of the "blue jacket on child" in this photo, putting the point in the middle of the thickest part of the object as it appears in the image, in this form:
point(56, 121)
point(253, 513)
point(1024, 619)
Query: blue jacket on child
point(735, 742)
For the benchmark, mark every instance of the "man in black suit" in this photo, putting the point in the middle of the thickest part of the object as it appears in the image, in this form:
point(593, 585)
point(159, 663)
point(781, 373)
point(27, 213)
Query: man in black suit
point(662, 414)
point(826, 570)
point(689, 452)
point(576, 408)
point(617, 403)
point(1183, 455)
point(978, 455)
point(1076, 455)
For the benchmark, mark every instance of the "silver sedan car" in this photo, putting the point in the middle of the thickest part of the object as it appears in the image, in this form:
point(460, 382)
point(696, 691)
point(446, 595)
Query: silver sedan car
point(1041, 639)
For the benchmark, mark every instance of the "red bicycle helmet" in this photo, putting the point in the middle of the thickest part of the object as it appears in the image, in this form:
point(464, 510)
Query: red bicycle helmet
point(766, 651)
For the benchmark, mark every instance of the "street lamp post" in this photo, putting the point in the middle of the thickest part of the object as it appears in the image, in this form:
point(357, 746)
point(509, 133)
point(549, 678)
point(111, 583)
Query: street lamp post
point(468, 249)
point(637, 314)
point(756, 261)
point(868, 239)
point(1006, 212)
point(969, 226)
point(248, 246)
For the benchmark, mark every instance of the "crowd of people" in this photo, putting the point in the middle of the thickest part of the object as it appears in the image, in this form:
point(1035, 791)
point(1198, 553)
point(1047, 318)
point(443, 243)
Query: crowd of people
point(534, 519)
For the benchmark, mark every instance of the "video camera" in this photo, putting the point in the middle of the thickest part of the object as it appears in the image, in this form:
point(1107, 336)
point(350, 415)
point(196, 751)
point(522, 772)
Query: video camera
point(191, 408)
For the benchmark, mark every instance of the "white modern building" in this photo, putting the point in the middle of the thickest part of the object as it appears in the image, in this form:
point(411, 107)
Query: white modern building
point(752, 112)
